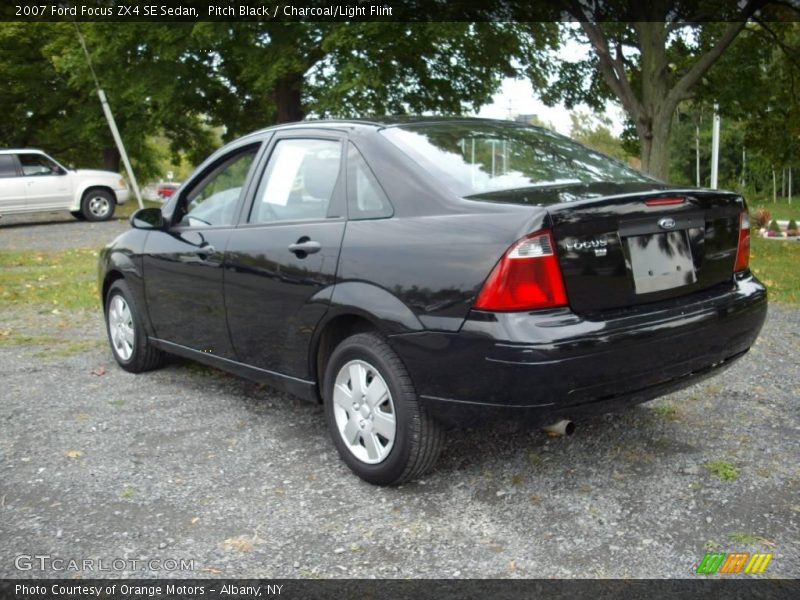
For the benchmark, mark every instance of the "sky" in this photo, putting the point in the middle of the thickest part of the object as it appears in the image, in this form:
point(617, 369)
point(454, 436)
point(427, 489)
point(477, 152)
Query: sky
point(516, 96)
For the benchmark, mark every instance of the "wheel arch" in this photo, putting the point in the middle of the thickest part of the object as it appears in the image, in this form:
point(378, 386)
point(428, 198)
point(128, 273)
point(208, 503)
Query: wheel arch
point(356, 307)
point(83, 190)
point(109, 279)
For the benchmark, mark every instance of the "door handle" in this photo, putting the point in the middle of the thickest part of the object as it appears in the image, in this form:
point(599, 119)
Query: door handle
point(304, 246)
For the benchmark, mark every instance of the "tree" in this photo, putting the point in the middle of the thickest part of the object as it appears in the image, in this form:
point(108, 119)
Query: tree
point(593, 131)
point(184, 81)
point(278, 72)
point(649, 58)
point(51, 97)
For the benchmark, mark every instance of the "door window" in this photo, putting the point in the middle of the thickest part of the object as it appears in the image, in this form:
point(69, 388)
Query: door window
point(212, 203)
point(37, 165)
point(299, 181)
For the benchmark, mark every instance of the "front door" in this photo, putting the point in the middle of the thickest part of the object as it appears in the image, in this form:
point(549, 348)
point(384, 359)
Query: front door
point(281, 262)
point(48, 185)
point(13, 192)
point(183, 264)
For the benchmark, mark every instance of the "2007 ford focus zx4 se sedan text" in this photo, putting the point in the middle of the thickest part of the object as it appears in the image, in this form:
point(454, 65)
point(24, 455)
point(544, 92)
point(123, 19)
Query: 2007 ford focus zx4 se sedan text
point(419, 274)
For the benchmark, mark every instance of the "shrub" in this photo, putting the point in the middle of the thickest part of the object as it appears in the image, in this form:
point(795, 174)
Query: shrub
point(792, 225)
point(761, 217)
point(773, 226)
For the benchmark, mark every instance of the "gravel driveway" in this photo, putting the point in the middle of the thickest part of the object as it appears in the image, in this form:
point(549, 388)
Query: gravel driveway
point(189, 463)
point(56, 231)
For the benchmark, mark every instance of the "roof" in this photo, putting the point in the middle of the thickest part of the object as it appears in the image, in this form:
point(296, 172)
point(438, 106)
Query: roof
point(18, 150)
point(382, 122)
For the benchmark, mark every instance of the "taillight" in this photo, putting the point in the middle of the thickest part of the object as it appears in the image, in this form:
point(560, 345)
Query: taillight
point(527, 277)
point(743, 248)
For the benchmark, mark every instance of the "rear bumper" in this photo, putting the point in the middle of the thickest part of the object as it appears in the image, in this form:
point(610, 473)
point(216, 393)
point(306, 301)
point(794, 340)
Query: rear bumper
point(123, 195)
point(545, 364)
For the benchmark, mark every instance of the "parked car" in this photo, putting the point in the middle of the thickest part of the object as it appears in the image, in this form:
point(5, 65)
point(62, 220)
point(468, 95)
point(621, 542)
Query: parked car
point(32, 181)
point(423, 274)
point(166, 189)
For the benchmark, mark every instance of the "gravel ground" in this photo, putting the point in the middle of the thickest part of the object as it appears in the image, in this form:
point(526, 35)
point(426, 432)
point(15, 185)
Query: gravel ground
point(56, 231)
point(190, 463)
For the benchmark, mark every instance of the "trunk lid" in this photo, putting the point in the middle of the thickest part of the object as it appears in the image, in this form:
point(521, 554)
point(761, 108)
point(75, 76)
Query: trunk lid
point(617, 250)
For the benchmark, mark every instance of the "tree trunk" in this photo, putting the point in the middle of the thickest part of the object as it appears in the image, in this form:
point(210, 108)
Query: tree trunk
point(654, 144)
point(774, 187)
point(111, 158)
point(287, 95)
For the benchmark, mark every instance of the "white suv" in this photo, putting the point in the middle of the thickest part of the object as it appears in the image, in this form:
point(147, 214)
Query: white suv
point(31, 181)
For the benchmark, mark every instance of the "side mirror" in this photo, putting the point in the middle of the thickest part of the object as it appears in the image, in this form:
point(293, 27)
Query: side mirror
point(148, 218)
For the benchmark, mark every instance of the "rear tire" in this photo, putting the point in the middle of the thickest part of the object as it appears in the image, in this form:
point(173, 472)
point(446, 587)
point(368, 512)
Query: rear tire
point(129, 343)
point(98, 205)
point(78, 215)
point(378, 426)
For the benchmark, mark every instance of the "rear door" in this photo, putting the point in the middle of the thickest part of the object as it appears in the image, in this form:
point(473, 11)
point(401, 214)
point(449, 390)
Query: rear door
point(280, 263)
point(13, 194)
point(183, 264)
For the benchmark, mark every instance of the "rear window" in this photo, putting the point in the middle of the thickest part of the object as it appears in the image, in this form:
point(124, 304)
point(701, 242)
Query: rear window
point(475, 158)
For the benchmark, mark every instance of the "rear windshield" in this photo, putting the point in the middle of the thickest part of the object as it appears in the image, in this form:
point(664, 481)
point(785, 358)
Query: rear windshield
point(475, 158)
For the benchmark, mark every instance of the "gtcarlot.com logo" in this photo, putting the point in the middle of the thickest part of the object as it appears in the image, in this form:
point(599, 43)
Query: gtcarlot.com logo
point(47, 562)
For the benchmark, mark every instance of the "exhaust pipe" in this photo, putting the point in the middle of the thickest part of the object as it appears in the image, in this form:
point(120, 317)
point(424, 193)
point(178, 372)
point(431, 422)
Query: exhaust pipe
point(559, 428)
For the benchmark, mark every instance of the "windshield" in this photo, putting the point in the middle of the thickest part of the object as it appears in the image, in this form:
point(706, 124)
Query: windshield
point(476, 158)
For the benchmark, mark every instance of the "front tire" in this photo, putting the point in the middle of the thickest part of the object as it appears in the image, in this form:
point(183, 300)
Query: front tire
point(380, 429)
point(126, 335)
point(78, 215)
point(98, 205)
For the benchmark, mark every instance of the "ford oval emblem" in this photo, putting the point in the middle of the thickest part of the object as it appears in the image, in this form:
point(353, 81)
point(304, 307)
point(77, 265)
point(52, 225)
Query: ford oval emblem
point(666, 223)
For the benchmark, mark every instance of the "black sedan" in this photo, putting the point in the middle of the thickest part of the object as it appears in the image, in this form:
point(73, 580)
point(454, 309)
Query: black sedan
point(419, 274)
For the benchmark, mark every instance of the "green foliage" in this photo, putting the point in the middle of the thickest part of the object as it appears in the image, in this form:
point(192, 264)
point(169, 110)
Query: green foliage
point(593, 131)
point(723, 470)
point(773, 226)
point(653, 56)
point(792, 225)
point(189, 86)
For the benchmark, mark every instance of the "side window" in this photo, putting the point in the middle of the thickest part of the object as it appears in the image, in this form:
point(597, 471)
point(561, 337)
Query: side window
point(8, 167)
point(213, 201)
point(365, 197)
point(36, 164)
point(298, 182)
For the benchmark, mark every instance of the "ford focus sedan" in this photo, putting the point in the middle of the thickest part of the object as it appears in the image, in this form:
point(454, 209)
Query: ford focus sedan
point(424, 274)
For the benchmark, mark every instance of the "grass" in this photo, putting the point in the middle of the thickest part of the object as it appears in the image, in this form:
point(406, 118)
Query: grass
point(49, 280)
point(777, 264)
point(131, 206)
point(723, 470)
point(666, 412)
point(778, 210)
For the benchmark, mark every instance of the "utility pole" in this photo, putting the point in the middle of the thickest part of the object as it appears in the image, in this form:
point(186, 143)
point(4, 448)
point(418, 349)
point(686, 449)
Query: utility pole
point(715, 149)
point(112, 124)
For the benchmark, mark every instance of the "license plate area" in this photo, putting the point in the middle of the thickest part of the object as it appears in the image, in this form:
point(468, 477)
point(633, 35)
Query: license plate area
point(660, 261)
